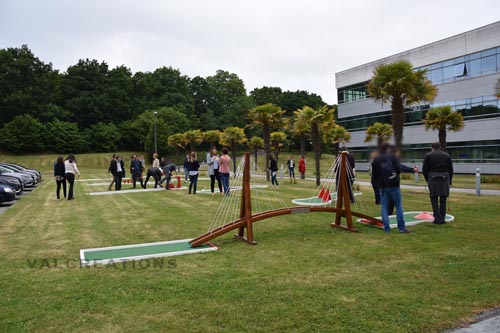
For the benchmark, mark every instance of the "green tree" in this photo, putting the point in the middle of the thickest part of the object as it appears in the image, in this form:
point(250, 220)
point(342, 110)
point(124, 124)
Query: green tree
point(266, 95)
point(380, 131)
point(336, 135)
point(27, 84)
point(301, 127)
point(278, 139)
point(211, 137)
point(177, 141)
point(266, 117)
point(294, 100)
point(103, 137)
point(193, 137)
point(443, 119)
point(23, 134)
point(65, 137)
point(255, 143)
point(400, 85)
point(231, 137)
point(321, 120)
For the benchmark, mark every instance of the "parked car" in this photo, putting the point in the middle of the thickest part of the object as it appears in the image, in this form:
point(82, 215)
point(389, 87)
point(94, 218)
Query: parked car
point(7, 194)
point(27, 179)
point(15, 168)
point(14, 182)
point(20, 168)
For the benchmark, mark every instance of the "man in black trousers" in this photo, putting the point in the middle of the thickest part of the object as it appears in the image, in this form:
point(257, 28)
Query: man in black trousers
point(438, 172)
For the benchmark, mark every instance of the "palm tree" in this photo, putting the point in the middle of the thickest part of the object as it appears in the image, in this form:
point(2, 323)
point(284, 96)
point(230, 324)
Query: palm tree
point(193, 137)
point(231, 137)
point(178, 141)
point(211, 137)
point(277, 141)
point(381, 131)
point(337, 134)
point(255, 143)
point(441, 119)
point(266, 117)
point(400, 85)
point(321, 120)
point(301, 128)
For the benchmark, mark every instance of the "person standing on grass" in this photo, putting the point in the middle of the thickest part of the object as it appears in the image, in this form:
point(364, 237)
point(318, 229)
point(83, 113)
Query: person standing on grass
point(156, 161)
point(167, 171)
point(291, 167)
point(273, 168)
point(386, 170)
point(136, 170)
point(119, 173)
point(302, 167)
point(224, 167)
point(111, 163)
point(59, 173)
point(438, 172)
point(143, 164)
point(163, 163)
point(185, 167)
point(193, 169)
point(213, 170)
point(70, 169)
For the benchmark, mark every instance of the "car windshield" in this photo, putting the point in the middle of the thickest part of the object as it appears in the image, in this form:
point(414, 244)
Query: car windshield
point(11, 167)
point(4, 169)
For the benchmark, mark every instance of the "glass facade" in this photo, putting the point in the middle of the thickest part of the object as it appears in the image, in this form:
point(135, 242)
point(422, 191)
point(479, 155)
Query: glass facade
point(460, 152)
point(460, 68)
point(471, 108)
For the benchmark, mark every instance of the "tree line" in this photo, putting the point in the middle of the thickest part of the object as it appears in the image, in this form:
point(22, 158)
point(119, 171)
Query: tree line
point(92, 107)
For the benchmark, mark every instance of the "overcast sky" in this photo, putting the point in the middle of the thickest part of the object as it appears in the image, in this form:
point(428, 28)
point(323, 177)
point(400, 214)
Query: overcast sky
point(287, 43)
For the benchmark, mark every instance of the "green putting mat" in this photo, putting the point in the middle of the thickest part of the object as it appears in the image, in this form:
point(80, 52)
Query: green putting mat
point(141, 251)
point(411, 218)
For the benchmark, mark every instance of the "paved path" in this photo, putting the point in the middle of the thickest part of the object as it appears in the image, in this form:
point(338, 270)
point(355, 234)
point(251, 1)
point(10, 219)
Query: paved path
point(491, 325)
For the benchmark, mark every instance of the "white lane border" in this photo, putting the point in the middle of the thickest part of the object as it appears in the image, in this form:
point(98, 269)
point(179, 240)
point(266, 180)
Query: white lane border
point(84, 261)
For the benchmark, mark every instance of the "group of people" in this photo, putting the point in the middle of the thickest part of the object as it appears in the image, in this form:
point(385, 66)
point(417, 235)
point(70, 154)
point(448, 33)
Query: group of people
point(385, 179)
point(273, 169)
point(65, 170)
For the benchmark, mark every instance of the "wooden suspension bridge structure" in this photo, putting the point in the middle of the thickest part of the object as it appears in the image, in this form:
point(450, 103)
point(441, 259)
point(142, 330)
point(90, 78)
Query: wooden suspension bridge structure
point(247, 219)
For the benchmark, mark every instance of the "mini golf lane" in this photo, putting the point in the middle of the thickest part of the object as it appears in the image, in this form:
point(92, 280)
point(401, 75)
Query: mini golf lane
point(411, 218)
point(114, 254)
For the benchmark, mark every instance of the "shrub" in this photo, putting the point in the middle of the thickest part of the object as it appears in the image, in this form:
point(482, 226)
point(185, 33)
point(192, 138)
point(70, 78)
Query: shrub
point(102, 137)
point(23, 134)
point(64, 137)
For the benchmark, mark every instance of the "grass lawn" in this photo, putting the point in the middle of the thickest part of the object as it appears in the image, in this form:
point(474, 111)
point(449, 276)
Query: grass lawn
point(302, 276)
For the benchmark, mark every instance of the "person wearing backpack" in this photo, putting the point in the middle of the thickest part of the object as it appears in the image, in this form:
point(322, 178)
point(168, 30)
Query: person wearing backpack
point(386, 170)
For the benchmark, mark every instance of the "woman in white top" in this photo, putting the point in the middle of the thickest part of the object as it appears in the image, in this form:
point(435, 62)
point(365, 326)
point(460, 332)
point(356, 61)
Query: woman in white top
point(71, 170)
point(156, 161)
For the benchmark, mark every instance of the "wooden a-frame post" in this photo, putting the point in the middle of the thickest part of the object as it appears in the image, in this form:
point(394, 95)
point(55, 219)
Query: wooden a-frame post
point(343, 199)
point(246, 205)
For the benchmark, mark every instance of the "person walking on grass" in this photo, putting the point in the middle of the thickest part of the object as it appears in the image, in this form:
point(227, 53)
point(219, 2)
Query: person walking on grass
point(70, 169)
point(302, 167)
point(291, 168)
point(111, 163)
point(136, 170)
point(386, 169)
point(119, 173)
point(224, 167)
point(213, 170)
point(60, 173)
point(185, 167)
point(193, 169)
point(438, 172)
point(273, 168)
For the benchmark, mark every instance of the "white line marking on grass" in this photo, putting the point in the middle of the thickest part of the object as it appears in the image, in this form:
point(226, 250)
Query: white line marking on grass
point(133, 191)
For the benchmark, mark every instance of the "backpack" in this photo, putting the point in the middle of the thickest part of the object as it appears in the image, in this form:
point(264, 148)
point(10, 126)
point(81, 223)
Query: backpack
point(389, 176)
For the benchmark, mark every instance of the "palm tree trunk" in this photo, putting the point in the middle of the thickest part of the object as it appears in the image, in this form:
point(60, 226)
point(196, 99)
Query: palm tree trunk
point(442, 138)
point(233, 150)
point(255, 152)
point(191, 146)
point(398, 121)
point(316, 146)
point(302, 144)
point(267, 147)
point(379, 141)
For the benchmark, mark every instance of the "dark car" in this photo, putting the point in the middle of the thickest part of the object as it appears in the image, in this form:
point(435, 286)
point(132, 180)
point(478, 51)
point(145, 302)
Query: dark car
point(7, 194)
point(32, 173)
point(27, 179)
point(21, 168)
point(13, 182)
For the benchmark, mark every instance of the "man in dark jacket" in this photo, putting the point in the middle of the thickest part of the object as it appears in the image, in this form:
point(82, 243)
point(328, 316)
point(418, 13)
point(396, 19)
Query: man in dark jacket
point(156, 174)
point(118, 171)
point(167, 171)
point(111, 163)
point(386, 170)
point(136, 170)
point(438, 172)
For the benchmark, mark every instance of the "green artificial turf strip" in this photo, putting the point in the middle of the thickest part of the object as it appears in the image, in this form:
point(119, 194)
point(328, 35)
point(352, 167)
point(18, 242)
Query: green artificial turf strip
point(140, 251)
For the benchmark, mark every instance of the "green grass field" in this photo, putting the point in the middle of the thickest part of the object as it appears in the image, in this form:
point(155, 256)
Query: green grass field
point(301, 277)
